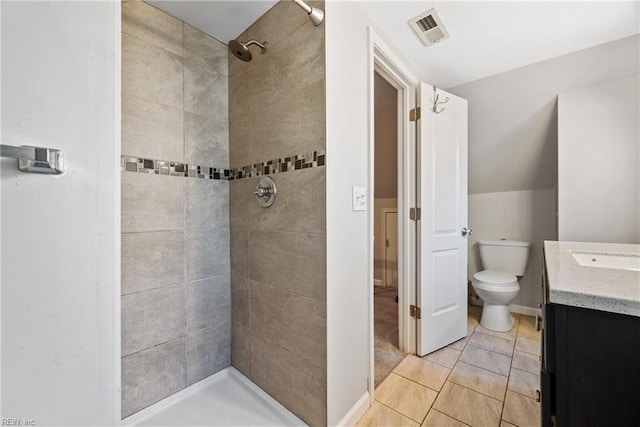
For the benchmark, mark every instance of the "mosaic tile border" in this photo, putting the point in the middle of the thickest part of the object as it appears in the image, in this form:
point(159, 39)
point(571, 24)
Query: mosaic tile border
point(270, 167)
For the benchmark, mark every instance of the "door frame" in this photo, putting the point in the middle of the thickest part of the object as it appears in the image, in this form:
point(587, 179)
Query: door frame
point(384, 61)
point(383, 243)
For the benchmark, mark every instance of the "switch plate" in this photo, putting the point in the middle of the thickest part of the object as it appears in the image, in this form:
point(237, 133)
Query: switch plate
point(359, 199)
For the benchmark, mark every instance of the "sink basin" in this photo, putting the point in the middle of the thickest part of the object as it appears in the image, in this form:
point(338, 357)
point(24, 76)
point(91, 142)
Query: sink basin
point(627, 261)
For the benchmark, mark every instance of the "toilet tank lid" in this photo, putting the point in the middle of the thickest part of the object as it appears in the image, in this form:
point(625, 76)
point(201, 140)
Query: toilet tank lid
point(504, 243)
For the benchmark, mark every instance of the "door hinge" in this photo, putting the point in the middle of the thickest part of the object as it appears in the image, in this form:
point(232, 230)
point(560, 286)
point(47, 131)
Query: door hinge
point(415, 214)
point(414, 114)
point(414, 311)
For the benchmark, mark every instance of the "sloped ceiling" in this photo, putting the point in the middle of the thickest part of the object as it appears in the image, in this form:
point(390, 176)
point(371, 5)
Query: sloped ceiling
point(487, 38)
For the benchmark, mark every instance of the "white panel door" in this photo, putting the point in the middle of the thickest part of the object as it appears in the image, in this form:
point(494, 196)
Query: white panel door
point(442, 198)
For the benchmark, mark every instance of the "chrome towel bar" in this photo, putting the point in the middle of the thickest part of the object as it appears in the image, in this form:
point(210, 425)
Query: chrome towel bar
point(35, 159)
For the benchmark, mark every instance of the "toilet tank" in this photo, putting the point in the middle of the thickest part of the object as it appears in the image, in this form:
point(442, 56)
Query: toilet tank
point(504, 255)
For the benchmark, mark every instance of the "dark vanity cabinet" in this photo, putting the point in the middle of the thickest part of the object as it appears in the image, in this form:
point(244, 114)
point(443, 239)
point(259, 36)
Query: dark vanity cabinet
point(590, 372)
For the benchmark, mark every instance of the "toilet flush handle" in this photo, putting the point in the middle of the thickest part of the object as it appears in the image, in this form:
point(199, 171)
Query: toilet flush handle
point(466, 231)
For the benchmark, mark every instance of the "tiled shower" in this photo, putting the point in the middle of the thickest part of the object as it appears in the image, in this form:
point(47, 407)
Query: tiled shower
point(209, 278)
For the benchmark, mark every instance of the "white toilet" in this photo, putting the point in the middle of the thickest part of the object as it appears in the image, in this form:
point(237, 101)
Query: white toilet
point(497, 285)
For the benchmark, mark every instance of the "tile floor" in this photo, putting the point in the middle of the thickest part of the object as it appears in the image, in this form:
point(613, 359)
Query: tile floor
point(486, 379)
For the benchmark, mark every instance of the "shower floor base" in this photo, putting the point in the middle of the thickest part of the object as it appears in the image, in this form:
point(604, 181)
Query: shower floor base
point(226, 398)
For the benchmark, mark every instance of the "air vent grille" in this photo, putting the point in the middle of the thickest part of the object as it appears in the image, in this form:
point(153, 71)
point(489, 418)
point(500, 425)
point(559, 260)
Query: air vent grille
point(429, 28)
point(427, 23)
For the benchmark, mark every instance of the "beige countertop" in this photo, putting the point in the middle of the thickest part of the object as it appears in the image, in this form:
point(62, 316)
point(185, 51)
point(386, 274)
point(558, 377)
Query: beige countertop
point(606, 289)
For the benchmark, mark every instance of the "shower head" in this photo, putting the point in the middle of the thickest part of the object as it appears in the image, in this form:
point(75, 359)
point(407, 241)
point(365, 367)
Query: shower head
point(241, 50)
point(315, 15)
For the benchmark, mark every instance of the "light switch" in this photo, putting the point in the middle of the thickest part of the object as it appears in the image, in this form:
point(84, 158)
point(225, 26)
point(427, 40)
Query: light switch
point(359, 199)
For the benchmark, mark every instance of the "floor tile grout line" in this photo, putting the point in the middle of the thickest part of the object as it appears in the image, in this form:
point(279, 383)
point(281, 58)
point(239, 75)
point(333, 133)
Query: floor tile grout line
point(410, 379)
point(398, 412)
point(479, 392)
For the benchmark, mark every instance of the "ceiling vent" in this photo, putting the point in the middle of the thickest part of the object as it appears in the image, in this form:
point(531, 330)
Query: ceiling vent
point(428, 26)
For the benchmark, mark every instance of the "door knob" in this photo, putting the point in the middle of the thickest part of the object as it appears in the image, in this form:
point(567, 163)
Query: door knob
point(466, 231)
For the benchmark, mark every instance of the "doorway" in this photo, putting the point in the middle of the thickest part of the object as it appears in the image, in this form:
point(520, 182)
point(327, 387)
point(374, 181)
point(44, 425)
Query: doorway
point(387, 353)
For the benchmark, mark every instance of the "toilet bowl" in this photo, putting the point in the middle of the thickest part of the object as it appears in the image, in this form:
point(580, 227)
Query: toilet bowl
point(498, 285)
point(497, 289)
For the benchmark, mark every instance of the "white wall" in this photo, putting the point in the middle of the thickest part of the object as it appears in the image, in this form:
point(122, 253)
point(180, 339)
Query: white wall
point(513, 144)
point(348, 256)
point(513, 117)
point(515, 215)
point(599, 163)
point(60, 234)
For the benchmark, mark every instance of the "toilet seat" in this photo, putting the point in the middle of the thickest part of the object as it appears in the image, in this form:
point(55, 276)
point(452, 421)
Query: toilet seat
point(493, 278)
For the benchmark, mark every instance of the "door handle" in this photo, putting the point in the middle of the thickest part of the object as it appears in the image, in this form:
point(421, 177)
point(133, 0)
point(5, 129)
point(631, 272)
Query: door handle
point(387, 243)
point(35, 159)
point(466, 231)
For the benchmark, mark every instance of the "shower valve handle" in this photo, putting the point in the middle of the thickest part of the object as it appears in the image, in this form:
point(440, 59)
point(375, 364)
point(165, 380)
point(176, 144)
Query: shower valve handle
point(262, 192)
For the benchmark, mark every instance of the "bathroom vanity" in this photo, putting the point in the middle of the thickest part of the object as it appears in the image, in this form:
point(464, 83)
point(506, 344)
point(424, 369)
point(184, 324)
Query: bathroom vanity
point(590, 372)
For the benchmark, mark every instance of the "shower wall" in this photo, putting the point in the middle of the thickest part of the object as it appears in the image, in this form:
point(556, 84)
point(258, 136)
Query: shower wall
point(277, 112)
point(176, 297)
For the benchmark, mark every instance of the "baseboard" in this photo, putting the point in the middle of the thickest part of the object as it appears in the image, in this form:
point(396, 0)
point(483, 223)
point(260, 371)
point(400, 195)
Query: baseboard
point(356, 412)
point(527, 311)
point(377, 282)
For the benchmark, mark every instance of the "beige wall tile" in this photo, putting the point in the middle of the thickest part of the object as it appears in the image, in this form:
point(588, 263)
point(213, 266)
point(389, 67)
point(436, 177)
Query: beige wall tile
point(423, 371)
point(151, 130)
point(242, 202)
point(298, 206)
point(206, 253)
point(488, 342)
point(295, 124)
point(208, 303)
point(152, 317)
point(240, 291)
point(486, 359)
point(206, 139)
point(208, 351)
point(241, 348)
point(468, 406)
point(240, 252)
point(503, 423)
point(204, 47)
point(521, 411)
point(445, 356)
point(524, 383)
point(289, 66)
point(206, 204)
point(151, 73)
point(291, 321)
point(438, 419)
point(480, 380)
point(205, 88)
point(528, 345)
point(380, 415)
point(152, 25)
point(526, 362)
point(151, 375)
point(151, 202)
point(405, 396)
point(293, 262)
point(290, 379)
point(151, 260)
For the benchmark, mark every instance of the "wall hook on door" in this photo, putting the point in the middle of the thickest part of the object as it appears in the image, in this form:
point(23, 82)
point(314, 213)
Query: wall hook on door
point(437, 102)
